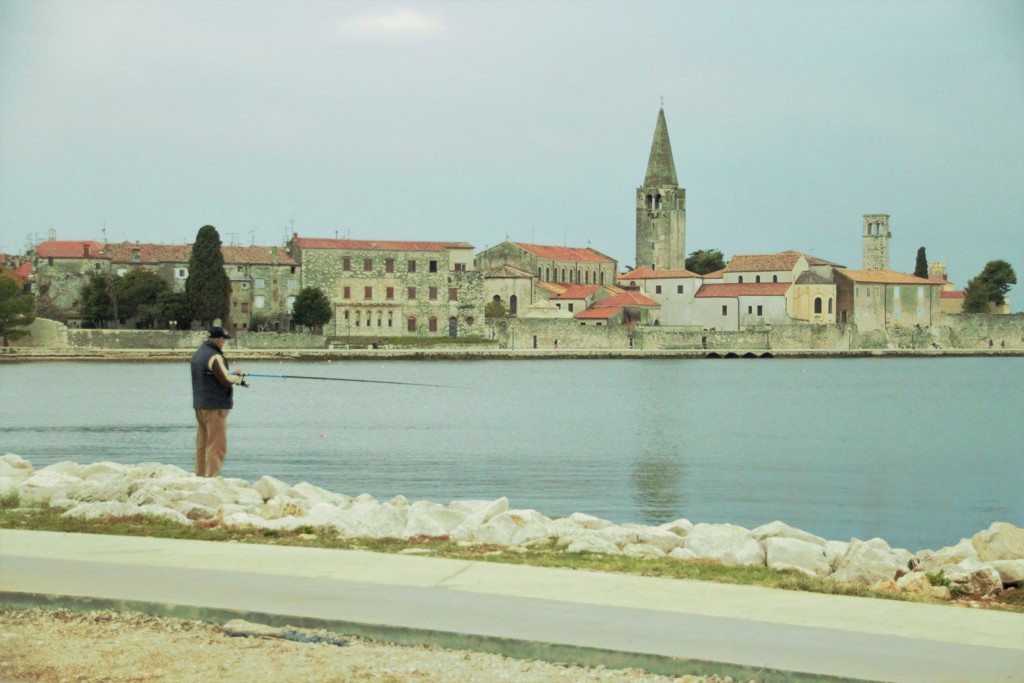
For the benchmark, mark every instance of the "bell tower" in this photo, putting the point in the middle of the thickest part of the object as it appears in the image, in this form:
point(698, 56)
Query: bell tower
point(661, 208)
point(876, 241)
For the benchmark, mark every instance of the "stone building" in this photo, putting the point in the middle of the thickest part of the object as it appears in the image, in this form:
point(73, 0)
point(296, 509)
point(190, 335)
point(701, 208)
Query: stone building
point(661, 208)
point(880, 299)
point(876, 241)
point(673, 290)
point(623, 308)
point(264, 280)
point(382, 288)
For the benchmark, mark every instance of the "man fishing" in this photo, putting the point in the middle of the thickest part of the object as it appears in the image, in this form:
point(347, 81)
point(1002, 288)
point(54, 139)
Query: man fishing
point(212, 386)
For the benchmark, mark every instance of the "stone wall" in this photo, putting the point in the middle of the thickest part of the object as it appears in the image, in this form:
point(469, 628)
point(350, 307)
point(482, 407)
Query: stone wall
point(974, 331)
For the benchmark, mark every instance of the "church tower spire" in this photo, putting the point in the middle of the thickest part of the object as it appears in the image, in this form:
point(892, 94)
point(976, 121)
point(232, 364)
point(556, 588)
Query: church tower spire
point(661, 208)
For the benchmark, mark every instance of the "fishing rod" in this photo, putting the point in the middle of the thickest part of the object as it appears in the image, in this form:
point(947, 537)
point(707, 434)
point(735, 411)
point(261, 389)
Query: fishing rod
point(347, 379)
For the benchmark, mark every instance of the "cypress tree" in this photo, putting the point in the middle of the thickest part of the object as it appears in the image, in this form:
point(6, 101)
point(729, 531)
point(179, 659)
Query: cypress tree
point(207, 288)
point(921, 267)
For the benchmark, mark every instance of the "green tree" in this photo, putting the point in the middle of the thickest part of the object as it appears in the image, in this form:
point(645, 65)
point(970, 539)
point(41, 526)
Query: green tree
point(921, 267)
point(15, 311)
point(989, 286)
point(704, 261)
point(495, 310)
point(140, 292)
point(174, 307)
point(100, 299)
point(207, 288)
point(312, 309)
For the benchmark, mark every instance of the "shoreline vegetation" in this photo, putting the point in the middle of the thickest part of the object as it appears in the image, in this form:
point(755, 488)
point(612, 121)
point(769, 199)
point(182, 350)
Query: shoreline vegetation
point(164, 501)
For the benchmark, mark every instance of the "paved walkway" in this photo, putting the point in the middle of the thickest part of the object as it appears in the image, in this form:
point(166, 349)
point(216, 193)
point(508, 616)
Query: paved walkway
point(665, 625)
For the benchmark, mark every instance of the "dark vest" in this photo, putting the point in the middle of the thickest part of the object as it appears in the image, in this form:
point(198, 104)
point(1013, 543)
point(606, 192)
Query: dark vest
point(207, 392)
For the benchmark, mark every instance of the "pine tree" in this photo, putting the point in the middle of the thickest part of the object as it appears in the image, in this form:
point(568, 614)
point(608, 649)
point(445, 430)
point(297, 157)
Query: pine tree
point(921, 267)
point(15, 311)
point(207, 288)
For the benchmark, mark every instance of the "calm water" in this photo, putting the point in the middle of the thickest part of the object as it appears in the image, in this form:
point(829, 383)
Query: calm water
point(920, 452)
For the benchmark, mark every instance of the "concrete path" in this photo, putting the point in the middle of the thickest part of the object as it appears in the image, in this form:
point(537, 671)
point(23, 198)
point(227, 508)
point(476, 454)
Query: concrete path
point(664, 625)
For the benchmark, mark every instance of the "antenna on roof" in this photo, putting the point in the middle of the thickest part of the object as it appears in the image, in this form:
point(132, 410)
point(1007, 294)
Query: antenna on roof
point(252, 238)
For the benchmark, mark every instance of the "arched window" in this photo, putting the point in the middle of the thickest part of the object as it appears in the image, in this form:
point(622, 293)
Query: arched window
point(657, 201)
point(432, 324)
point(602, 277)
point(741, 278)
point(547, 275)
point(775, 278)
point(513, 304)
point(496, 298)
point(453, 327)
point(470, 320)
point(830, 305)
point(649, 198)
point(586, 277)
point(757, 278)
point(817, 304)
point(411, 325)
point(563, 276)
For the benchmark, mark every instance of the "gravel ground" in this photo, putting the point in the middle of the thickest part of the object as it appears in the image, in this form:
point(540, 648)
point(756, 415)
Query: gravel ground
point(61, 645)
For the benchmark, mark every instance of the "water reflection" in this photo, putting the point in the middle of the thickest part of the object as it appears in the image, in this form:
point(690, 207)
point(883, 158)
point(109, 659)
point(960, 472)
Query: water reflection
point(658, 479)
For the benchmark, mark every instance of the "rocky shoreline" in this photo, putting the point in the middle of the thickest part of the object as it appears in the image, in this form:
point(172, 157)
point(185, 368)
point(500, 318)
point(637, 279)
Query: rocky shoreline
point(984, 565)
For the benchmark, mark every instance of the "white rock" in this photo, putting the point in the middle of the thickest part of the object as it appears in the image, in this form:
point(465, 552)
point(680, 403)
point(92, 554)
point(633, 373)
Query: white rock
point(104, 510)
point(682, 554)
point(632, 534)
point(244, 519)
point(192, 511)
point(235, 491)
point(835, 551)
point(643, 550)
point(66, 467)
point(279, 507)
point(315, 494)
point(590, 543)
point(46, 484)
point(586, 521)
point(154, 494)
point(269, 487)
point(868, 563)
point(948, 557)
point(399, 502)
point(100, 487)
point(15, 466)
point(787, 553)
point(105, 468)
point(779, 529)
point(914, 582)
point(975, 579)
point(1001, 541)
point(165, 513)
point(679, 527)
point(426, 518)
point(499, 530)
point(1010, 571)
point(371, 519)
point(478, 515)
point(726, 543)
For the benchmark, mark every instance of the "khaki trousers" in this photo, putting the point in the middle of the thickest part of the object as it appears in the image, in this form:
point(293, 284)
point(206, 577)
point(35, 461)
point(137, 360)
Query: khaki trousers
point(211, 441)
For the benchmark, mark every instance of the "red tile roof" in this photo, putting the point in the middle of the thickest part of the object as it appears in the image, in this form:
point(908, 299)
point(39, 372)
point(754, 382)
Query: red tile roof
point(952, 294)
point(70, 249)
point(731, 290)
point(714, 275)
point(626, 299)
point(814, 260)
point(746, 263)
point(645, 273)
point(149, 253)
point(24, 270)
point(888, 277)
point(578, 291)
point(378, 245)
point(603, 313)
point(564, 253)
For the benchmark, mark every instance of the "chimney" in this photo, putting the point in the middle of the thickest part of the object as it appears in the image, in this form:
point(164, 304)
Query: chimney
point(85, 247)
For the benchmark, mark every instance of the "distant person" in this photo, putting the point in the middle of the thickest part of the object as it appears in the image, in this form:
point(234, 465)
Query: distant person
point(990, 343)
point(212, 387)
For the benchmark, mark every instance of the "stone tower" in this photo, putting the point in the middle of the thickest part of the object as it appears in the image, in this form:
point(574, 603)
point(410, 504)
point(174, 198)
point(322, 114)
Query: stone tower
point(876, 241)
point(661, 208)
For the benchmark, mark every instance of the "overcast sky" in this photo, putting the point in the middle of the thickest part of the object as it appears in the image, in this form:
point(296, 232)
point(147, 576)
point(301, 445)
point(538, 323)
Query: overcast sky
point(478, 121)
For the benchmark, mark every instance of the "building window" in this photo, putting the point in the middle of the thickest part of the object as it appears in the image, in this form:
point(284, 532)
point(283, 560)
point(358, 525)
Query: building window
point(817, 304)
point(657, 289)
point(49, 261)
point(895, 292)
point(433, 294)
point(410, 292)
point(750, 309)
point(259, 302)
point(741, 279)
point(367, 292)
point(260, 283)
point(469, 320)
point(245, 285)
point(136, 257)
point(453, 294)
point(367, 264)
point(725, 310)
point(757, 278)
point(547, 272)
point(411, 324)
point(391, 319)
point(245, 308)
point(390, 293)
point(181, 273)
point(98, 266)
point(775, 278)
point(563, 275)
point(760, 311)
point(432, 324)
point(346, 263)
point(293, 270)
point(460, 267)
point(239, 269)
point(570, 307)
point(679, 289)
point(290, 302)
point(830, 306)
point(433, 267)
point(346, 315)
point(389, 265)
point(412, 265)
point(347, 293)
point(293, 284)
